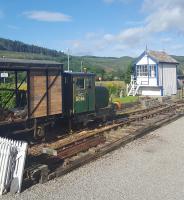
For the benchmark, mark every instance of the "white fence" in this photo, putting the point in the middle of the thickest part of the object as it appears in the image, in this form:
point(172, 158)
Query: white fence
point(12, 161)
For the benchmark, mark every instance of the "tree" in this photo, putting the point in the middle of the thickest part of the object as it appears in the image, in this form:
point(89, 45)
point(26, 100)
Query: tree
point(128, 74)
point(179, 71)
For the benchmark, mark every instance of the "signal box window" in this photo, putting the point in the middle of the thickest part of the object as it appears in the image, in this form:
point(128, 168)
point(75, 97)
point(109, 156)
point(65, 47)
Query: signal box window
point(80, 83)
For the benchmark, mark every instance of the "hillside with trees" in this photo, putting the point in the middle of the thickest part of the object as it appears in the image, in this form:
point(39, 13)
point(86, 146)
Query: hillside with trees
point(109, 68)
point(17, 46)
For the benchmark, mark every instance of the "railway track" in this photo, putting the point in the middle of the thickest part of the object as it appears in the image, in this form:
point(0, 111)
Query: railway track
point(36, 149)
point(49, 160)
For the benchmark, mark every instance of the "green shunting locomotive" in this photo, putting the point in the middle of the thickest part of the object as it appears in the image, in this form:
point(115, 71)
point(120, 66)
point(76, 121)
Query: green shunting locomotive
point(83, 101)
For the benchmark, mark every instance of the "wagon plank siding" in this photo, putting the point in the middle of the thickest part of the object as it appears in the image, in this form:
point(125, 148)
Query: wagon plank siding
point(37, 91)
point(55, 94)
point(38, 87)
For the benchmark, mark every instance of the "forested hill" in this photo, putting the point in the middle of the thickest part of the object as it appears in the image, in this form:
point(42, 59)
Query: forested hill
point(17, 46)
point(108, 67)
point(100, 65)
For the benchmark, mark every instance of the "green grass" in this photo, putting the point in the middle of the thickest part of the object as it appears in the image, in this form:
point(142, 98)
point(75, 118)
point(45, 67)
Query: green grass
point(127, 99)
point(117, 84)
point(5, 97)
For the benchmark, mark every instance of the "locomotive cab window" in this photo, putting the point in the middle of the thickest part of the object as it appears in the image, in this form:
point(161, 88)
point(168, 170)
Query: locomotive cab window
point(80, 83)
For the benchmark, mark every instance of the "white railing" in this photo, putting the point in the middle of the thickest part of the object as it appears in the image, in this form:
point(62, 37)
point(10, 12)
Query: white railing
point(133, 87)
point(129, 86)
point(12, 161)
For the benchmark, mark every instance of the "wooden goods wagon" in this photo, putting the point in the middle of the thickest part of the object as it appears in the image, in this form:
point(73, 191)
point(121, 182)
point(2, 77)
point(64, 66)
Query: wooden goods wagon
point(42, 82)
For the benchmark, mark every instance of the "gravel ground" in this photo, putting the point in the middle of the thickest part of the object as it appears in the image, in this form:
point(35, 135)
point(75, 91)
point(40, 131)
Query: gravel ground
point(148, 168)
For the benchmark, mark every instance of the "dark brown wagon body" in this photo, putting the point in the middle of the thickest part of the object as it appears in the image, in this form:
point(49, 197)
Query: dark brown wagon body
point(43, 80)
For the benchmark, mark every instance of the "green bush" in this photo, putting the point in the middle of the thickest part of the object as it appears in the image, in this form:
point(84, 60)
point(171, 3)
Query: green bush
point(114, 87)
point(5, 97)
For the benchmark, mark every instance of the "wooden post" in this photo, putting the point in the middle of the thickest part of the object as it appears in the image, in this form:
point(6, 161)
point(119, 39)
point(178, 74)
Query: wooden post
point(16, 88)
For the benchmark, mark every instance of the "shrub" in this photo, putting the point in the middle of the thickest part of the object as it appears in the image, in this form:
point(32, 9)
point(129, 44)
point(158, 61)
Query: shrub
point(5, 97)
point(114, 87)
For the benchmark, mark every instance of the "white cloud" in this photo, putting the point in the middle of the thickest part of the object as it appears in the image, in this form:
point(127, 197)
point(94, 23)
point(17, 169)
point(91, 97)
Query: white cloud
point(76, 44)
point(87, 46)
point(134, 23)
point(165, 15)
point(162, 17)
point(166, 20)
point(162, 28)
point(149, 5)
point(47, 16)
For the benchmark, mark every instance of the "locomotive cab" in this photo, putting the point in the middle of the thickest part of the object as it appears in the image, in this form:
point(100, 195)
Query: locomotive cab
point(83, 101)
point(79, 93)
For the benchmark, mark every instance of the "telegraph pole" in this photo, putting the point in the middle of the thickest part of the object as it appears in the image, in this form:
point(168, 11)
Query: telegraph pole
point(81, 65)
point(68, 60)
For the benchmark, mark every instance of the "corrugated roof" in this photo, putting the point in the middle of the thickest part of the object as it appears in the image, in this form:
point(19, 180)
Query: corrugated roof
point(27, 61)
point(161, 56)
point(10, 63)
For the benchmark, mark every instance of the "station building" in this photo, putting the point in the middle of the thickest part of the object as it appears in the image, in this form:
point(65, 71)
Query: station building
point(154, 74)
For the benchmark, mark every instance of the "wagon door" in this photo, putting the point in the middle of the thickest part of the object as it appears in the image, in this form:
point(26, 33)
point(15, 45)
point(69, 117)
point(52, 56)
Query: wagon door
point(45, 88)
point(90, 88)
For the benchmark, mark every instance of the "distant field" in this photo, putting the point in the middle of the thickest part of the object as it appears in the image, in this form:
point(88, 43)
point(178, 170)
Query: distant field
point(117, 84)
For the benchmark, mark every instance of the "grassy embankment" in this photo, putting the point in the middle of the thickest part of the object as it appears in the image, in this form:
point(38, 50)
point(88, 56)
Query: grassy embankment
point(127, 99)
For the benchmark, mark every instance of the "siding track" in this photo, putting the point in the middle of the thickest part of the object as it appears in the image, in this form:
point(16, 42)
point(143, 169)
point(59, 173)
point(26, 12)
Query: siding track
point(49, 160)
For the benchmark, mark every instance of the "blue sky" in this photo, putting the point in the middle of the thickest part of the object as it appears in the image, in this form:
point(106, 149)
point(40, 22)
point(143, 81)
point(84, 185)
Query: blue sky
point(96, 27)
